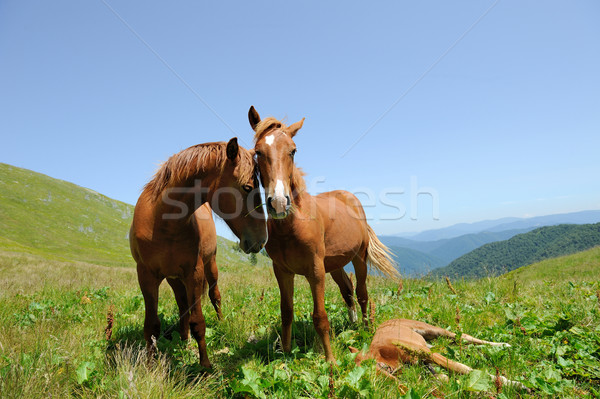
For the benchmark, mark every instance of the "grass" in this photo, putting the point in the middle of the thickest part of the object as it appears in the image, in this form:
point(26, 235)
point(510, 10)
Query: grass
point(53, 316)
point(56, 296)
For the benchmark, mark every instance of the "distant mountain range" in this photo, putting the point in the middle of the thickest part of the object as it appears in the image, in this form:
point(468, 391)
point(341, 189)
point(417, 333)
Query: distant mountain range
point(523, 249)
point(429, 250)
point(503, 224)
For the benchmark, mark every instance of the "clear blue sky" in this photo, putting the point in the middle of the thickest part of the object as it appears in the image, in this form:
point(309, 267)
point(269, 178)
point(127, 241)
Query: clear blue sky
point(496, 113)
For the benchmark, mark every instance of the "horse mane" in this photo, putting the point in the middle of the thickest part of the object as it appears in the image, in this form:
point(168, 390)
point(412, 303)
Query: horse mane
point(198, 160)
point(265, 126)
point(297, 182)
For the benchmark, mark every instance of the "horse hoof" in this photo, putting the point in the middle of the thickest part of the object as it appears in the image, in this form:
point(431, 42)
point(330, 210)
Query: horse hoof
point(352, 316)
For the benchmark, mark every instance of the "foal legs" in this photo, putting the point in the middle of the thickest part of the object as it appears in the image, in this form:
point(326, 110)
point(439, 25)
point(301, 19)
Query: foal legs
point(149, 285)
point(285, 281)
point(360, 268)
point(343, 281)
point(182, 303)
point(212, 275)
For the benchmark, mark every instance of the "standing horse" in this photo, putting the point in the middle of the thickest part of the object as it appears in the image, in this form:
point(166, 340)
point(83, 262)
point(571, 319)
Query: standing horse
point(172, 235)
point(312, 235)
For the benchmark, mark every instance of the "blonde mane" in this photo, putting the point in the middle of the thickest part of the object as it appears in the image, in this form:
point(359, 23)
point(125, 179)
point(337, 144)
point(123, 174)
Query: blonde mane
point(198, 160)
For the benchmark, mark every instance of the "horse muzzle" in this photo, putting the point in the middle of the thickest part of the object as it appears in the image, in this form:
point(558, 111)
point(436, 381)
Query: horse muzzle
point(279, 206)
point(249, 246)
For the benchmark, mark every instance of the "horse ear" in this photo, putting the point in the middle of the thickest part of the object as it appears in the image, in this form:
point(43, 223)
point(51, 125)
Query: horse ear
point(353, 349)
point(253, 117)
point(232, 149)
point(293, 128)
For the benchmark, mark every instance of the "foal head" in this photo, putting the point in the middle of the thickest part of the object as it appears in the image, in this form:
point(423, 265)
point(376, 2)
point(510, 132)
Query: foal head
point(237, 199)
point(275, 149)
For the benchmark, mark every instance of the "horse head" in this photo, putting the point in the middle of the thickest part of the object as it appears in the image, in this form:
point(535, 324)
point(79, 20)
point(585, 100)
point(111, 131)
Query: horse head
point(237, 198)
point(275, 149)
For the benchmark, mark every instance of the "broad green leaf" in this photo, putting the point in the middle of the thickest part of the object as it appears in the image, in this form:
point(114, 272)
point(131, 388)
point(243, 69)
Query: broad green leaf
point(490, 297)
point(411, 394)
point(479, 381)
point(354, 376)
point(84, 371)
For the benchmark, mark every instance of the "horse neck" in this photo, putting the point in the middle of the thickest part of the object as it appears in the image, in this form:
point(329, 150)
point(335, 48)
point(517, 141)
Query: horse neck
point(177, 203)
point(298, 187)
point(303, 208)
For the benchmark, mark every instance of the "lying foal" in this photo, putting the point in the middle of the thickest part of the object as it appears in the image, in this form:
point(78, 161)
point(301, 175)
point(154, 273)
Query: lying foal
point(401, 341)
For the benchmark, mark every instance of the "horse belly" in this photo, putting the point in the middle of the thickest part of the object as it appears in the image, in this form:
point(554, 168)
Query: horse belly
point(337, 262)
point(341, 246)
point(169, 260)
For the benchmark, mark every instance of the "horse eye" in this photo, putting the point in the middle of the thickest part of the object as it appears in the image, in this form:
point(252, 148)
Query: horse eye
point(258, 153)
point(247, 188)
point(293, 152)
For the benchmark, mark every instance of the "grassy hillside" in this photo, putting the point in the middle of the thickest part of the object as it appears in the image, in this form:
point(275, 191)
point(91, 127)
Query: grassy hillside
point(54, 218)
point(59, 220)
point(543, 243)
point(584, 265)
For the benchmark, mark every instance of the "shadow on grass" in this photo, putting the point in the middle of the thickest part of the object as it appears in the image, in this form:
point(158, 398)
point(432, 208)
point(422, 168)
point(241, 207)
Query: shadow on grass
point(265, 347)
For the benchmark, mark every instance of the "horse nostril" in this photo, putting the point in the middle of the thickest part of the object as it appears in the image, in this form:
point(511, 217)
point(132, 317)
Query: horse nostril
point(269, 203)
point(289, 201)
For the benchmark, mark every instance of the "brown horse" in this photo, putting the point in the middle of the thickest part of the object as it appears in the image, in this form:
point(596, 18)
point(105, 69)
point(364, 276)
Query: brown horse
point(173, 236)
point(312, 235)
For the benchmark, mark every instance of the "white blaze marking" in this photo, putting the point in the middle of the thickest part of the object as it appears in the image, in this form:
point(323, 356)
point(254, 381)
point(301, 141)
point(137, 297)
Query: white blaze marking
point(279, 189)
point(269, 139)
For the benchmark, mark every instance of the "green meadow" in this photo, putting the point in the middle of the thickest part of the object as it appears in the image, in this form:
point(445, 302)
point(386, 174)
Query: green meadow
point(71, 318)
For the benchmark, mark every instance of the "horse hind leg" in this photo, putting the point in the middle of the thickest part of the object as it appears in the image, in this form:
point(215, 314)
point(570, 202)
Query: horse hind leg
point(343, 281)
point(149, 285)
point(212, 276)
point(195, 288)
point(360, 268)
point(184, 308)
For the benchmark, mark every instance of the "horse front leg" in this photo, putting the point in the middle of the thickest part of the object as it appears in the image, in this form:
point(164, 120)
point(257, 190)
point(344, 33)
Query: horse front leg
point(149, 284)
point(285, 280)
point(182, 303)
point(317, 286)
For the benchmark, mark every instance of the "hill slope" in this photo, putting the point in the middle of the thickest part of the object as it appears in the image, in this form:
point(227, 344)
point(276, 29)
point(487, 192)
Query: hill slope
point(59, 220)
point(523, 249)
point(585, 265)
point(46, 216)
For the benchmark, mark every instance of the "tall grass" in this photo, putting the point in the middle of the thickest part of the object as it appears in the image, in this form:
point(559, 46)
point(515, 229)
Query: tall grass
point(53, 317)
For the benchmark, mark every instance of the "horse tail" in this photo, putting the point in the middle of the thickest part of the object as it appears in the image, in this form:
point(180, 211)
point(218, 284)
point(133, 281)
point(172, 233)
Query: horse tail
point(380, 256)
